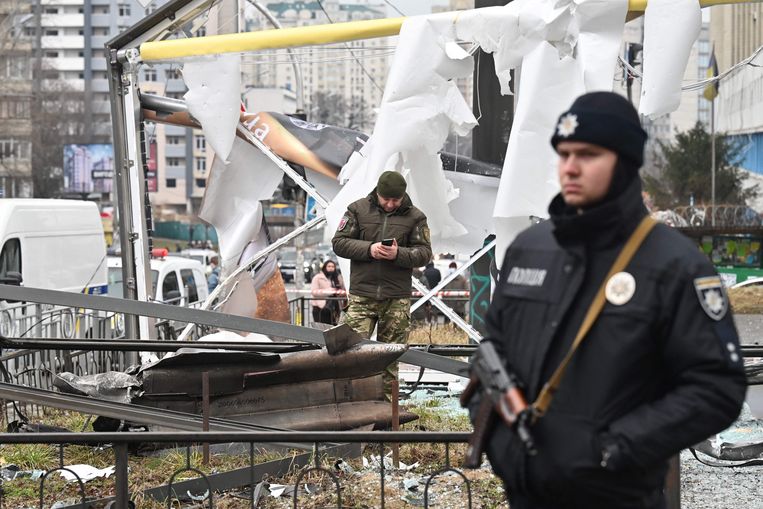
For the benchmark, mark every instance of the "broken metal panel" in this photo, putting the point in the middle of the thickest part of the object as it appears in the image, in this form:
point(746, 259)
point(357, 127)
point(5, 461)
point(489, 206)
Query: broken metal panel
point(341, 416)
point(144, 345)
point(134, 413)
point(111, 386)
point(231, 373)
point(292, 397)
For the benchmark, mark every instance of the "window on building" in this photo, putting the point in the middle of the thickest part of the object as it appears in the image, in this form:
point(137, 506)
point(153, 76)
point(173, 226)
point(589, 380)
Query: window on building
point(200, 142)
point(201, 165)
point(150, 75)
point(99, 53)
point(51, 10)
point(174, 161)
point(51, 32)
point(51, 54)
point(11, 107)
point(201, 182)
point(170, 182)
point(50, 75)
point(201, 32)
point(172, 74)
point(174, 140)
point(14, 149)
point(124, 9)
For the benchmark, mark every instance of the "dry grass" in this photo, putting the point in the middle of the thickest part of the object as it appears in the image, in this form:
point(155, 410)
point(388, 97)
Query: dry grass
point(746, 300)
point(441, 334)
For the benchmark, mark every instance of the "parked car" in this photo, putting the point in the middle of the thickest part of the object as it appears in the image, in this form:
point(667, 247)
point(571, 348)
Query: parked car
point(752, 281)
point(174, 279)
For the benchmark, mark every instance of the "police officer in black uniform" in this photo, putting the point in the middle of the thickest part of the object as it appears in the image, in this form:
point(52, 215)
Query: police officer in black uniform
point(659, 370)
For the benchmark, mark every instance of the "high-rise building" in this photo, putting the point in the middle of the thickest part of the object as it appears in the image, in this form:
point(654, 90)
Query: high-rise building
point(355, 71)
point(736, 31)
point(15, 100)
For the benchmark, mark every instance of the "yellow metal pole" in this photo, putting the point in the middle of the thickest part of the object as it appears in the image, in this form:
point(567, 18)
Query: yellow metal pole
point(270, 39)
point(309, 35)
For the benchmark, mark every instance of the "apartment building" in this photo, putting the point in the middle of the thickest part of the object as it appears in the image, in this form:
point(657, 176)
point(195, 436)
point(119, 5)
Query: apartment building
point(356, 71)
point(15, 101)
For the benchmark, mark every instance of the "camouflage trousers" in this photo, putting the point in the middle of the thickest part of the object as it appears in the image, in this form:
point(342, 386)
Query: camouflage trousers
point(393, 318)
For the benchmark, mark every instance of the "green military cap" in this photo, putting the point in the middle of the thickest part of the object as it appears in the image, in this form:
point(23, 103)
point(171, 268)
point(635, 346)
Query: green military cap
point(391, 185)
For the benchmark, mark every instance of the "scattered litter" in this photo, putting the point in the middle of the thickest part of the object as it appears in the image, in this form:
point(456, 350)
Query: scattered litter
point(343, 467)
point(413, 499)
point(312, 489)
point(65, 503)
point(198, 498)
point(11, 472)
point(277, 490)
point(375, 463)
point(85, 472)
point(411, 484)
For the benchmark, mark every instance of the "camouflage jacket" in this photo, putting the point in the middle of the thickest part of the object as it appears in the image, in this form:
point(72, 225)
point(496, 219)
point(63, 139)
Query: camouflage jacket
point(365, 223)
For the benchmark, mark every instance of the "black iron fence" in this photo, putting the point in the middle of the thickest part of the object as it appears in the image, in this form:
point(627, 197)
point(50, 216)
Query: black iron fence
point(207, 486)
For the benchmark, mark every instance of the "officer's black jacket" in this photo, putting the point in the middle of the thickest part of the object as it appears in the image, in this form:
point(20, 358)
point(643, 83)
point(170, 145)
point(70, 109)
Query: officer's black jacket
point(654, 375)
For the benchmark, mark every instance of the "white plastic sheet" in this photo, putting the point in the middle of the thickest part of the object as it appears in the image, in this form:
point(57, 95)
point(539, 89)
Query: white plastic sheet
point(232, 199)
point(213, 98)
point(670, 29)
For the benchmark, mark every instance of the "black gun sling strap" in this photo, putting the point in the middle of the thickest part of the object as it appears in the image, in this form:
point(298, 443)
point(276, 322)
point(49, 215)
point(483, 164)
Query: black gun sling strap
point(623, 258)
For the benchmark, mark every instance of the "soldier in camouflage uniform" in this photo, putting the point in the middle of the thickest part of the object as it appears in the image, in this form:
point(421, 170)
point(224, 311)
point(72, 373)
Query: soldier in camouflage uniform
point(380, 283)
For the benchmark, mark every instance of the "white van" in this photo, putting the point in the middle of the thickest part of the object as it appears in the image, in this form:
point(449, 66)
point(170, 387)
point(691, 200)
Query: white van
point(52, 244)
point(175, 280)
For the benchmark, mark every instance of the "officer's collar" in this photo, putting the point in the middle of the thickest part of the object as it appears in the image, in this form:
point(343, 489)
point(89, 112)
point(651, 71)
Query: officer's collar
point(404, 205)
point(602, 225)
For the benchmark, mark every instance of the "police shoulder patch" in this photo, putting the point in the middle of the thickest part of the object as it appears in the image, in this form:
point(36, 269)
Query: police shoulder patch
point(711, 296)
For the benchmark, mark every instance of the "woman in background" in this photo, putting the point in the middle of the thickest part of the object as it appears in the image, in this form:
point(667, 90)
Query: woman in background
point(325, 287)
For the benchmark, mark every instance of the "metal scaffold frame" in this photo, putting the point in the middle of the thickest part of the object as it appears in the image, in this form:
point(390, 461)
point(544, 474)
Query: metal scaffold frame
point(149, 41)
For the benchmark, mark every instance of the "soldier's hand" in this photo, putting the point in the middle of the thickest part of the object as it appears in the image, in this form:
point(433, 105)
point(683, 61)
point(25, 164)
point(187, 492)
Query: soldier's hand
point(382, 252)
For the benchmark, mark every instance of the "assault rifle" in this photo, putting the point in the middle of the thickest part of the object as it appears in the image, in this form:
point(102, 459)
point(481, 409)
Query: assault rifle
point(501, 396)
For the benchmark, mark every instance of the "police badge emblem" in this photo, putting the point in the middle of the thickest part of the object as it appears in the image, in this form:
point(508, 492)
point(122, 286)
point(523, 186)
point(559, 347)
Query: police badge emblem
point(342, 223)
point(620, 288)
point(711, 296)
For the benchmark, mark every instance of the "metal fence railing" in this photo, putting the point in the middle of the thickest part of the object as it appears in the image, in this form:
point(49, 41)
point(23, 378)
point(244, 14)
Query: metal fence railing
point(315, 465)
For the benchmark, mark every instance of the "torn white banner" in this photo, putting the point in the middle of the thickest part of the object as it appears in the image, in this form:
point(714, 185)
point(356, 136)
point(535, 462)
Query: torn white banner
point(512, 31)
point(232, 199)
point(667, 45)
point(421, 105)
point(213, 98)
point(528, 182)
point(548, 86)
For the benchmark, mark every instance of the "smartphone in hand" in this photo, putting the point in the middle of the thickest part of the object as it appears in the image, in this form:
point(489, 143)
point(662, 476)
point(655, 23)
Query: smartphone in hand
point(387, 242)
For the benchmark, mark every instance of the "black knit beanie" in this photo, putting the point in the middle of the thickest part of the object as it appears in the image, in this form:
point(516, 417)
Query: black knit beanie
point(605, 119)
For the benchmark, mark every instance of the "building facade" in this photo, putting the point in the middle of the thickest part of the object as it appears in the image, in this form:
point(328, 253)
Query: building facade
point(354, 72)
point(737, 32)
point(15, 100)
